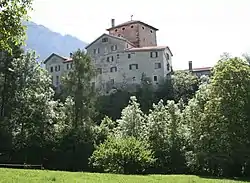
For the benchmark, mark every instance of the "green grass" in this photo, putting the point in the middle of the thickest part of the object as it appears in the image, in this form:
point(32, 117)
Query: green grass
point(42, 176)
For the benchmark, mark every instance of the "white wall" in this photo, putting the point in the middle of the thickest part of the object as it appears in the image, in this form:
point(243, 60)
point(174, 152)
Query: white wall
point(57, 61)
point(146, 65)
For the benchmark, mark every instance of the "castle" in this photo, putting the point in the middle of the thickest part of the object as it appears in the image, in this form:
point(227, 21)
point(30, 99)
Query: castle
point(122, 56)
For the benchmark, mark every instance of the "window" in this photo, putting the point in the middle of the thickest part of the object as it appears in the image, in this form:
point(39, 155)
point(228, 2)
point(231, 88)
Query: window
point(105, 50)
point(123, 28)
point(104, 40)
point(119, 35)
point(113, 69)
point(167, 56)
point(112, 81)
point(112, 58)
point(133, 66)
point(127, 45)
point(133, 78)
point(56, 68)
point(57, 80)
point(107, 59)
point(118, 56)
point(151, 31)
point(154, 54)
point(99, 70)
point(114, 47)
point(132, 26)
point(142, 27)
point(155, 78)
point(96, 51)
point(168, 68)
point(51, 69)
point(115, 30)
point(129, 55)
point(157, 65)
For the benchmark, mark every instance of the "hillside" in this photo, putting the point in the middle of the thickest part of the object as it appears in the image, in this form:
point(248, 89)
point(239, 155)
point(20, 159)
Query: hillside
point(44, 41)
point(43, 176)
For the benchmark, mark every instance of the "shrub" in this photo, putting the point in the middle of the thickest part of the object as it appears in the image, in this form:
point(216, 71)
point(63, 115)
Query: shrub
point(122, 155)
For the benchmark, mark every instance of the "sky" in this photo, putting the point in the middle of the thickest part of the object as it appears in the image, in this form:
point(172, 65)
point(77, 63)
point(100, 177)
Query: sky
point(195, 30)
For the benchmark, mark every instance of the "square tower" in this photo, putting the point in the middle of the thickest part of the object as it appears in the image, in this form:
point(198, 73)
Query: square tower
point(137, 32)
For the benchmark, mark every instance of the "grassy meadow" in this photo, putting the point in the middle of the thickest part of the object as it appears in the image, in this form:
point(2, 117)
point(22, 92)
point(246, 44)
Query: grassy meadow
point(42, 176)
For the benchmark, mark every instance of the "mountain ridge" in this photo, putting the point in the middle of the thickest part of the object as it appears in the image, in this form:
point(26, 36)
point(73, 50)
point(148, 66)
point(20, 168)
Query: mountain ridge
point(45, 41)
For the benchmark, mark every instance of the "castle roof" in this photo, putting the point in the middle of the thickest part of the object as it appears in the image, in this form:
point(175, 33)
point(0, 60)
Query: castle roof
point(65, 59)
point(149, 48)
point(132, 22)
point(108, 35)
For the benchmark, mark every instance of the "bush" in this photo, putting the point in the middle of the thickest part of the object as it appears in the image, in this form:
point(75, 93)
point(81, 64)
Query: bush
point(126, 156)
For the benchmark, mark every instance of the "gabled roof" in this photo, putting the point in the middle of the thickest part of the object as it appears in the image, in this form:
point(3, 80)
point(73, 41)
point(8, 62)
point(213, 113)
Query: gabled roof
point(149, 48)
point(132, 22)
point(108, 35)
point(201, 69)
point(66, 59)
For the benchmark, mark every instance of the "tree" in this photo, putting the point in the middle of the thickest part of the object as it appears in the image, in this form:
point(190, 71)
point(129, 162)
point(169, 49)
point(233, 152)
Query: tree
point(132, 122)
point(247, 57)
point(122, 155)
point(145, 93)
point(165, 90)
point(77, 142)
point(193, 115)
point(7, 92)
point(32, 114)
point(219, 121)
point(112, 105)
point(12, 14)
point(185, 84)
point(230, 96)
point(106, 129)
point(166, 136)
point(79, 86)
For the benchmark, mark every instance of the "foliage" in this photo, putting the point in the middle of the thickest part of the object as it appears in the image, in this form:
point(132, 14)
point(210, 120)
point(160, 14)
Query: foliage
point(145, 93)
point(31, 116)
point(78, 135)
point(106, 129)
point(122, 155)
point(132, 122)
point(219, 121)
point(198, 125)
point(79, 87)
point(112, 105)
point(165, 133)
point(185, 84)
point(12, 14)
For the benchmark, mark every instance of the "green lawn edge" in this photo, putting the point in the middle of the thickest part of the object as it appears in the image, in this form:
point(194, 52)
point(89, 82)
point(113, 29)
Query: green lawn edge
point(42, 176)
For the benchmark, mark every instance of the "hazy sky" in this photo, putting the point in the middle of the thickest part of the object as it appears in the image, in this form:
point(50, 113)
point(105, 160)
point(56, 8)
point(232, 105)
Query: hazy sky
point(197, 30)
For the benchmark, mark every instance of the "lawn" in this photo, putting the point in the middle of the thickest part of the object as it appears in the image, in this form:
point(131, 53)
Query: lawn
point(42, 176)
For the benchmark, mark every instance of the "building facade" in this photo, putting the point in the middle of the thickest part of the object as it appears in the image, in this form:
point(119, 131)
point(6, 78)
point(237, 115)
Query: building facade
point(57, 66)
point(121, 56)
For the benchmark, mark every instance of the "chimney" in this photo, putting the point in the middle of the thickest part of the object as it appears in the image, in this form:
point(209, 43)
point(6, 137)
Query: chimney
point(190, 65)
point(71, 55)
point(112, 22)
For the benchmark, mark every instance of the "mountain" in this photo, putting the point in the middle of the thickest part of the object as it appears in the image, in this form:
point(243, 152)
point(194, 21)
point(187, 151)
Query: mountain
point(45, 42)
